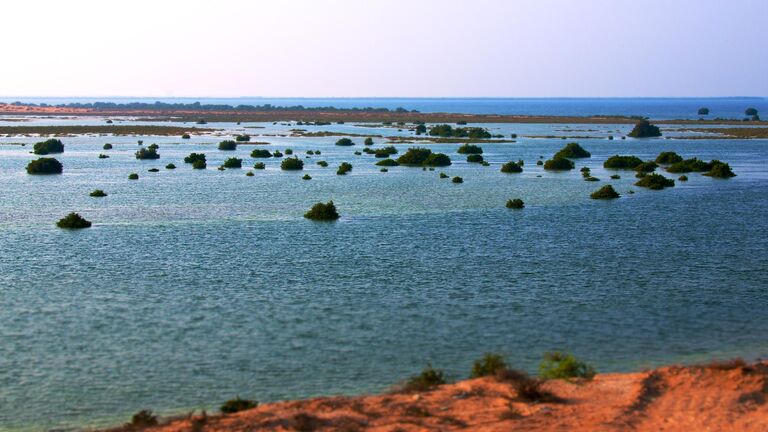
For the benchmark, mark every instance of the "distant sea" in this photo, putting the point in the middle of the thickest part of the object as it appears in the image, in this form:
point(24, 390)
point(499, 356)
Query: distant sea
point(657, 108)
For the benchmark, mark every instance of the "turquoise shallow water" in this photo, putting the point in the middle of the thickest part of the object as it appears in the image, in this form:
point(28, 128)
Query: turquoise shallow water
point(196, 286)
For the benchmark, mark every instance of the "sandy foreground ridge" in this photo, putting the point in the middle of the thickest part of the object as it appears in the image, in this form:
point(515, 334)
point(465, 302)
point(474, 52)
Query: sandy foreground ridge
point(728, 396)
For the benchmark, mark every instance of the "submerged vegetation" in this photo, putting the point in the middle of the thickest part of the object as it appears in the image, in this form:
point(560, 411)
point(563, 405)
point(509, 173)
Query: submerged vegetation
point(322, 212)
point(446, 131)
point(387, 163)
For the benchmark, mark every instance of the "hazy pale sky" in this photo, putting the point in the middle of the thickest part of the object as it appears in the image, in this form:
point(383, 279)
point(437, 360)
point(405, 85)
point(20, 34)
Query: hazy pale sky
point(393, 48)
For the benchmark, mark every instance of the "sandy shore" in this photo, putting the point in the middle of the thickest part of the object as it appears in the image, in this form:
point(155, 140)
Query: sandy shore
point(727, 396)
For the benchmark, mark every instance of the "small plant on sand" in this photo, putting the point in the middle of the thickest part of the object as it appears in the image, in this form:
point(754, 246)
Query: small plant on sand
point(605, 192)
point(488, 365)
point(292, 164)
point(44, 166)
point(558, 365)
point(73, 221)
point(572, 151)
point(344, 168)
point(345, 142)
point(516, 203)
point(322, 212)
point(98, 193)
point(428, 379)
point(528, 389)
point(142, 420)
point(48, 146)
point(236, 405)
point(655, 182)
point(511, 167)
point(228, 145)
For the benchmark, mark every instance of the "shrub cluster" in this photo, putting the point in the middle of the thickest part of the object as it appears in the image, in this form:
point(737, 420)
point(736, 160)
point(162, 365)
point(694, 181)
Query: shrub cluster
point(344, 168)
point(233, 163)
point(147, 153)
point(322, 212)
point(511, 167)
point(557, 365)
point(720, 170)
point(48, 146)
point(559, 164)
point(228, 145)
point(572, 151)
point(44, 166)
point(655, 182)
point(488, 365)
point(73, 221)
point(516, 203)
point(622, 162)
point(644, 129)
point(605, 192)
point(387, 163)
point(646, 167)
point(475, 158)
point(194, 157)
point(446, 131)
point(428, 379)
point(666, 158)
point(292, 164)
point(107, 146)
point(98, 193)
point(345, 142)
point(261, 153)
point(243, 138)
point(236, 405)
point(470, 149)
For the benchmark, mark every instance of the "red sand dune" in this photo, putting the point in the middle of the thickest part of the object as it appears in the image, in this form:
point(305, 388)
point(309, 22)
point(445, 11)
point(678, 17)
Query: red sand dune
point(717, 397)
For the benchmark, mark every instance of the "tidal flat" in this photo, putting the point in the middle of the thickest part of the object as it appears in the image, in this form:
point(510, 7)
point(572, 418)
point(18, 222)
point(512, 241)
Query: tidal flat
point(193, 286)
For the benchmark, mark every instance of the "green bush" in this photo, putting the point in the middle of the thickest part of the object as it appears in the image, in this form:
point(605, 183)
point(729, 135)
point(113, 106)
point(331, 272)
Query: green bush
point(615, 176)
point(428, 379)
point(539, 162)
point(194, 157)
point(591, 179)
point(142, 420)
point(170, 166)
point(261, 153)
point(236, 405)
point(750, 111)
point(557, 365)
point(277, 154)
point(344, 168)
point(289, 151)
point(516, 203)
point(446, 131)
point(98, 193)
point(292, 164)
point(683, 178)
point(605, 192)
point(383, 170)
point(307, 177)
point(323, 164)
point(107, 146)
point(233, 163)
point(186, 136)
point(703, 111)
point(443, 175)
point(249, 174)
point(243, 138)
point(470, 149)
point(646, 167)
point(73, 221)
point(421, 129)
point(48, 146)
point(387, 163)
point(322, 212)
point(228, 145)
point(415, 156)
point(44, 166)
point(666, 158)
point(153, 170)
point(368, 141)
point(147, 153)
point(644, 129)
point(690, 165)
point(622, 162)
point(488, 365)
point(572, 151)
point(475, 158)
point(133, 176)
point(437, 160)
point(103, 156)
point(457, 179)
point(511, 167)
point(655, 182)
point(384, 152)
point(153, 146)
point(345, 142)
point(720, 170)
point(259, 165)
point(559, 164)
point(199, 164)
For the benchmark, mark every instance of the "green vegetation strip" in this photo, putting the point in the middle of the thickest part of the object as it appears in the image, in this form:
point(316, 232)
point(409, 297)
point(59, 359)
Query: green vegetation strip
point(106, 129)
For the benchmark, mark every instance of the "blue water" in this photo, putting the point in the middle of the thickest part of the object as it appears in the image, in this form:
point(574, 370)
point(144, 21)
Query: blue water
point(196, 286)
point(657, 108)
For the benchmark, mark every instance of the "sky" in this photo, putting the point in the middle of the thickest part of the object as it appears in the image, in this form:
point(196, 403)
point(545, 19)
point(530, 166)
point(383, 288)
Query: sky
point(392, 48)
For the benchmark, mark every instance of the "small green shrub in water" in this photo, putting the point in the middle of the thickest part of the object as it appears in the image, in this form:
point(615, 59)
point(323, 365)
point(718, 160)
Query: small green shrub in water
point(307, 177)
point(655, 182)
point(591, 179)
point(259, 165)
point(243, 138)
point(683, 178)
point(720, 170)
point(539, 162)
point(153, 170)
point(470, 149)
point(107, 146)
point(199, 164)
point(488, 365)
point(147, 153)
point(261, 153)
point(368, 141)
point(615, 177)
point(646, 167)
point(345, 142)
point(557, 365)
point(437, 160)
point(666, 158)
point(689, 165)
point(170, 166)
point(559, 164)
point(322, 212)
point(292, 164)
point(103, 156)
point(323, 164)
point(289, 151)
point(572, 151)
point(277, 154)
point(344, 168)
point(193, 157)
point(443, 175)
point(236, 405)
point(511, 168)
point(228, 145)
point(644, 129)
point(384, 152)
point(605, 192)
point(387, 163)
point(415, 156)
point(383, 170)
point(457, 179)
point(428, 379)
point(98, 193)
point(233, 163)
point(48, 146)
point(516, 203)
point(475, 158)
point(44, 166)
point(249, 174)
point(622, 162)
point(186, 136)
point(73, 221)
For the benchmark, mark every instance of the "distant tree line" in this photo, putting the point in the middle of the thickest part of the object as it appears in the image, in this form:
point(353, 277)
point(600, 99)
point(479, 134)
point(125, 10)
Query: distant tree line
point(197, 106)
